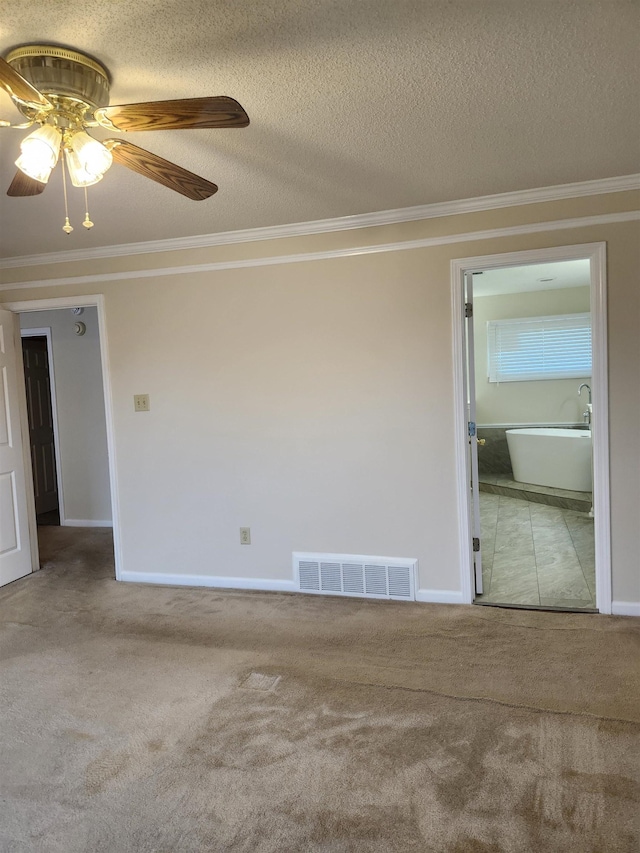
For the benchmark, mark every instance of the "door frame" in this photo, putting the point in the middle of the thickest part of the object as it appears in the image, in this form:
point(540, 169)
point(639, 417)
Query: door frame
point(596, 254)
point(87, 301)
point(45, 332)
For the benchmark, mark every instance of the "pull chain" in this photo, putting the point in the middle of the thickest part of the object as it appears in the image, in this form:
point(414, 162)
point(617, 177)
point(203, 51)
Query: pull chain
point(87, 222)
point(67, 227)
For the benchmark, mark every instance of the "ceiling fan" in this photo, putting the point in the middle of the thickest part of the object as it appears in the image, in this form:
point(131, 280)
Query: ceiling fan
point(65, 92)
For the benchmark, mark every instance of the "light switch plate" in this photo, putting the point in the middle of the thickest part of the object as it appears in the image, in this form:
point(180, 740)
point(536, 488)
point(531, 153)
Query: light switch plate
point(141, 402)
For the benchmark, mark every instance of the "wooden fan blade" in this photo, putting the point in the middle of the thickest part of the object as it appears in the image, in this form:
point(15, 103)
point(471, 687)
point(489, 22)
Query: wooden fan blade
point(19, 88)
point(23, 185)
point(160, 170)
point(174, 115)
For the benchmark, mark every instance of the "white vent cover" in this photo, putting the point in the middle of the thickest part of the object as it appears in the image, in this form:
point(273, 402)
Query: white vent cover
point(348, 574)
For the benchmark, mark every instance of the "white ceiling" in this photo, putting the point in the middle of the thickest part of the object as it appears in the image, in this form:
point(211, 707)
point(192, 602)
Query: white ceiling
point(355, 106)
point(551, 276)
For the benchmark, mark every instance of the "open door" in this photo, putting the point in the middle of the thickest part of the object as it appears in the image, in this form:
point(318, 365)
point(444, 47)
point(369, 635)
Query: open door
point(42, 438)
point(470, 391)
point(15, 544)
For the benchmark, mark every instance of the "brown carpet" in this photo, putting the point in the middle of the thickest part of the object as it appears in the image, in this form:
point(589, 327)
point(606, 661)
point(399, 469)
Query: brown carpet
point(140, 718)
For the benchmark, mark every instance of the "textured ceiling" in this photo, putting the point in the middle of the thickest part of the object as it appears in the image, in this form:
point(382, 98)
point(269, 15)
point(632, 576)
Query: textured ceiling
point(355, 106)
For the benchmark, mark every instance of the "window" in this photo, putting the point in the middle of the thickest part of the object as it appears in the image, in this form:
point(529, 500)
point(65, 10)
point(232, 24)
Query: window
point(556, 347)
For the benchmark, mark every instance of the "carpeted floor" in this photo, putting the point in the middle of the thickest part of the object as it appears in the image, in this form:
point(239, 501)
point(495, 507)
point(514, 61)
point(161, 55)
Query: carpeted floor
point(140, 718)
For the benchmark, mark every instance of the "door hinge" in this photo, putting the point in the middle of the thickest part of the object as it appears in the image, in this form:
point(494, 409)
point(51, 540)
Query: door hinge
point(472, 428)
point(468, 309)
point(476, 544)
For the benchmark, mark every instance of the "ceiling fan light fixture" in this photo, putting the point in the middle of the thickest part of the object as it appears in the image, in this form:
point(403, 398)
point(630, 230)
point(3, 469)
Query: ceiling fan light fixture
point(37, 171)
point(66, 92)
point(39, 153)
point(93, 157)
point(80, 177)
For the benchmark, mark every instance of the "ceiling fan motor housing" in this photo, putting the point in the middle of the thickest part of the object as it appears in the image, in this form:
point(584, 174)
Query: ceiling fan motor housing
point(63, 73)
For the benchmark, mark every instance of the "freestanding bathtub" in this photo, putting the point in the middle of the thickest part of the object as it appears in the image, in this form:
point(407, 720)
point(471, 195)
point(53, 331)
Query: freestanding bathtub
point(551, 457)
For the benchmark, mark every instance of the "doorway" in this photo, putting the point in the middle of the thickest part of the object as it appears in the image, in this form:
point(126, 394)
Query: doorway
point(37, 359)
point(83, 499)
point(78, 424)
point(534, 532)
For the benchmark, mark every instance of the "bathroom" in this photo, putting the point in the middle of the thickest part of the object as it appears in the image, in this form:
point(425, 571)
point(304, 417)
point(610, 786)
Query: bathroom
point(532, 354)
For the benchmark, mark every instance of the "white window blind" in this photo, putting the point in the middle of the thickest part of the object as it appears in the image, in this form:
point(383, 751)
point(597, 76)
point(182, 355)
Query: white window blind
point(557, 347)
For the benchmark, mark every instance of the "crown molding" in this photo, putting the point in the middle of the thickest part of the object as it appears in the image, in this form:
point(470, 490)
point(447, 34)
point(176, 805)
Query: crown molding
point(426, 242)
point(342, 223)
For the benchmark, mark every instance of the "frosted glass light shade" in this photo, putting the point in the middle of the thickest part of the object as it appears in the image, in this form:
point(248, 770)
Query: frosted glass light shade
point(90, 159)
point(79, 176)
point(34, 169)
point(40, 152)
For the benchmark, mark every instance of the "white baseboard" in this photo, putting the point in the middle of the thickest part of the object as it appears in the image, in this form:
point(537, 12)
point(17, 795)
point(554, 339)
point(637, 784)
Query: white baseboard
point(440, 596)
point(85, 522)
point(625, 608)
point(262, 584)
point(434, 596)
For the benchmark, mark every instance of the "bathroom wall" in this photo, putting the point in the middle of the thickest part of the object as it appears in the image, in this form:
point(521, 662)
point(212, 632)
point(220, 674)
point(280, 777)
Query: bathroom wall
point(544, 402)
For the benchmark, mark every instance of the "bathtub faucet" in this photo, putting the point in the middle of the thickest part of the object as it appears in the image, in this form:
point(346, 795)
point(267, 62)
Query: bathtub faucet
point(587, 414)
point(588, 387)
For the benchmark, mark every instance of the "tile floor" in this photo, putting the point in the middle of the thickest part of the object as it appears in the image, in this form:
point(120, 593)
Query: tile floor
point(536, 554)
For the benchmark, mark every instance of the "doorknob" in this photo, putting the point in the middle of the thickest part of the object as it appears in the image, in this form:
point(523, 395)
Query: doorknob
point(481, 441)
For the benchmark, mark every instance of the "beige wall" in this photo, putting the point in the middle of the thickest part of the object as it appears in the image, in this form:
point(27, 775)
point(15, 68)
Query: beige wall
point(81, 418)
point(550, 401)
point(314, 403)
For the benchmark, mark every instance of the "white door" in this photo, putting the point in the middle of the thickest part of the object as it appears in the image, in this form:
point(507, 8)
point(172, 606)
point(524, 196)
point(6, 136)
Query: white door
point(470, 388)
point(15, 546)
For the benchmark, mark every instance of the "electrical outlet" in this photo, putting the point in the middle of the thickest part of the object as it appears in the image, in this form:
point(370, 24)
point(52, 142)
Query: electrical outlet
point(245, 536)
point(141, 402)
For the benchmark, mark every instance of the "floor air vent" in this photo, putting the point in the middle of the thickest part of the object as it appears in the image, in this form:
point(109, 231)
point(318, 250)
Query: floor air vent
point(365, 577)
